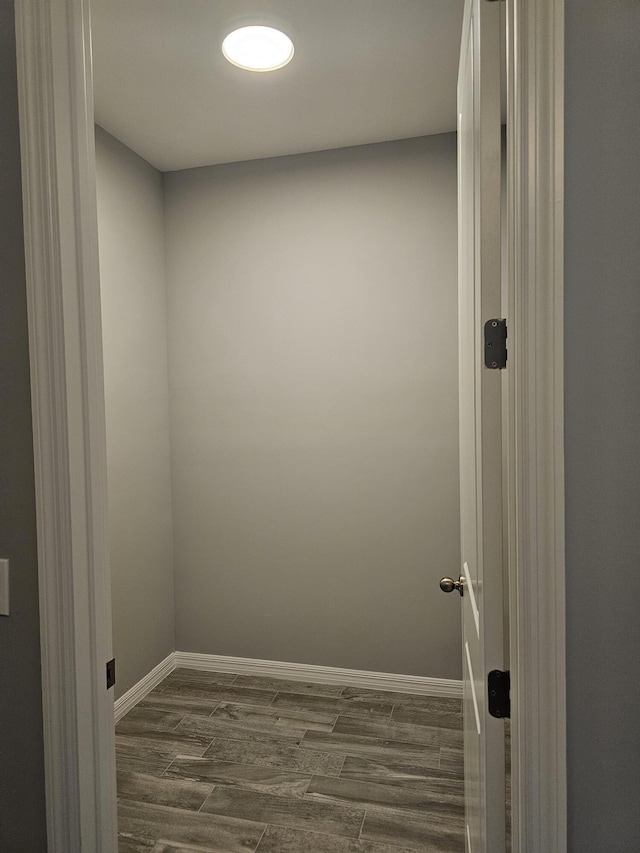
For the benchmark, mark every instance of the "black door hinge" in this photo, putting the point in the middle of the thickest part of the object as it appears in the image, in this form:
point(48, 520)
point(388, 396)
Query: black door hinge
point(111, 673)
point(495, 344)
point(499, 684)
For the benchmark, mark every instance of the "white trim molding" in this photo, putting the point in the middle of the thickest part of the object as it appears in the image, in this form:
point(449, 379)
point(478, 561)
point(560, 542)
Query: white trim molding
point(137, 693)
point(535, 196)
point(63, 296)
point(420, 685)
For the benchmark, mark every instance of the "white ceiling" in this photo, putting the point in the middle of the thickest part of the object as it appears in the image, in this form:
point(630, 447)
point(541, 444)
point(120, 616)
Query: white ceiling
point(364, 71)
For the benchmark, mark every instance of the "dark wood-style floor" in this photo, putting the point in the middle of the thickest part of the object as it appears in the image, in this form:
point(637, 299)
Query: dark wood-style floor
point(246, 764)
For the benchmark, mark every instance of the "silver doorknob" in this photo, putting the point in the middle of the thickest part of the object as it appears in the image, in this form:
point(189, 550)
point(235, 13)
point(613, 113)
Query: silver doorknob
point(448, 585)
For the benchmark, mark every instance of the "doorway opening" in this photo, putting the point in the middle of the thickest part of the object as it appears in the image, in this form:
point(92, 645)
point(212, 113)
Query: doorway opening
point(280, 312)
point(62, 263)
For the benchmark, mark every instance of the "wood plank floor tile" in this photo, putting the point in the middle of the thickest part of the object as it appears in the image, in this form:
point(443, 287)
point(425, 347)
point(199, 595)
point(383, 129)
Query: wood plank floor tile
point(162, 702)
point(179, 793)
point(429, 735)
point(445, 705)
point(137, 762)
point(270, 780)
point(333, 705)
point(390, 772)
point(227, 763)
point(421, 755)
point(429, 800)
point(452, 760)
point(264, 682)
point(158, 690)
point(279, 839)
point(200, 675)
point(220, 834)
point(217, 727)
point(285, 811)
point(171, 685)
point(414, 832)
point(160, 744)
point(148, 719)
point(220, 692)
point(445, 713)
point(127, 845)
point(170, 847)
point(275, 755)
point(274, 719)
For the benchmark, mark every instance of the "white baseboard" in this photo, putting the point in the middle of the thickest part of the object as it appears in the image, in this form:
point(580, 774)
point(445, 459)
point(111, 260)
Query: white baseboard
point(137, 693)
point(417, 684)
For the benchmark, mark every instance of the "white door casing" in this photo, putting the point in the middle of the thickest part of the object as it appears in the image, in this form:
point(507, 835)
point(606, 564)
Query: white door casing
point(535, 451)
point(55, 97)
point(480, 388)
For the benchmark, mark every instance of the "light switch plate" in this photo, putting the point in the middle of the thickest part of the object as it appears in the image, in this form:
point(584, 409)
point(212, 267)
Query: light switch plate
point(4, 587)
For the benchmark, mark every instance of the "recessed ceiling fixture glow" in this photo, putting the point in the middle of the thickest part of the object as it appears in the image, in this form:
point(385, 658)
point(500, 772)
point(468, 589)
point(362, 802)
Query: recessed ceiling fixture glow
point(258, 48)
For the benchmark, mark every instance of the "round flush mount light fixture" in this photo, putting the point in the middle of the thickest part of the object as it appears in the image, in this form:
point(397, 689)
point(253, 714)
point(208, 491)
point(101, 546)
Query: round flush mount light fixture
point(258, 48)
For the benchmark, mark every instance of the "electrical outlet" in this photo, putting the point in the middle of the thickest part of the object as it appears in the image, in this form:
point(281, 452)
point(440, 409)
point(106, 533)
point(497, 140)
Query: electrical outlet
point(4, 587)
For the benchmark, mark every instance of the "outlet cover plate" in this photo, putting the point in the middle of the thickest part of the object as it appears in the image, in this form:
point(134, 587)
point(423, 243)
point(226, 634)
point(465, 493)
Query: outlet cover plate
point(4, 587)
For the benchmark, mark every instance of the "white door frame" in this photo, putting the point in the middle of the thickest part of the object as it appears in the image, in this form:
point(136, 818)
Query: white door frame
point(535, 439)
point(55, 96)
point(58, 166)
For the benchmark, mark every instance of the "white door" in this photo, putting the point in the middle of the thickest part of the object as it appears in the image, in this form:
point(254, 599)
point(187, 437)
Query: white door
point(479, 145)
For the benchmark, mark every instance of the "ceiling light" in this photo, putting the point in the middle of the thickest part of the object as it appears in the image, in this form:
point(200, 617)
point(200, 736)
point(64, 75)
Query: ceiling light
point(258, 48)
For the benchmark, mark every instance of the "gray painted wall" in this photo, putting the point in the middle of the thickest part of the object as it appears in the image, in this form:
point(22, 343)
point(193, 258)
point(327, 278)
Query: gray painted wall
point(602, 426)
point(313, 379)
point(131, 238)
point(22, 804)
